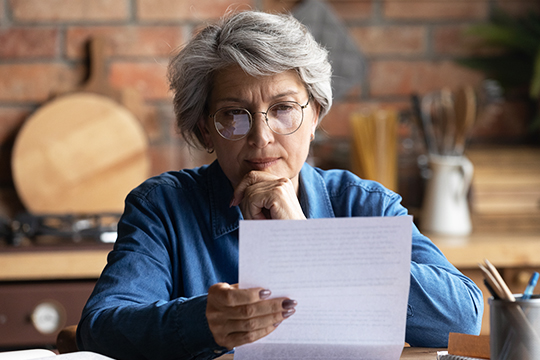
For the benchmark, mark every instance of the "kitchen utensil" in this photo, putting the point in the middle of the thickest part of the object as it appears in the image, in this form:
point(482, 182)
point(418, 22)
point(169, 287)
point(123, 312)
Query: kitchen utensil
point(80, 153)
point(448, 120)
point(465, 110)
point(430, 119)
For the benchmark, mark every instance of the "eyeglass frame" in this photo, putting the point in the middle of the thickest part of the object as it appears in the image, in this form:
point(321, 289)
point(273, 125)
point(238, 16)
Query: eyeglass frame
point(265, 113)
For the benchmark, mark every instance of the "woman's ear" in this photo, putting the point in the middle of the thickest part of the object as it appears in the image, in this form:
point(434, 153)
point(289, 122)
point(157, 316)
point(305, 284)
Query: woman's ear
point(316, 112)
point(203, 128)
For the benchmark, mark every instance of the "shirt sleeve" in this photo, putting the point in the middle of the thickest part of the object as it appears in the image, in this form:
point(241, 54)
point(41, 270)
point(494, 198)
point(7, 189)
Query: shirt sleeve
point(133, 312)
point(441, 298)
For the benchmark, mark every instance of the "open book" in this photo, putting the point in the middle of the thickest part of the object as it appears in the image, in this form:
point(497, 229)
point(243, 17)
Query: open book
point(43, 354)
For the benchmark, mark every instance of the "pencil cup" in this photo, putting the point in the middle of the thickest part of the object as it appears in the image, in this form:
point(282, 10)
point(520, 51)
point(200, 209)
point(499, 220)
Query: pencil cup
point(445, 209)
point(515, 329)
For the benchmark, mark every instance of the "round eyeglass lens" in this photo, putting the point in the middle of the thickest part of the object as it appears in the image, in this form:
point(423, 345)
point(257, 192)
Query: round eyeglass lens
point(232, 124)
point(285, 118)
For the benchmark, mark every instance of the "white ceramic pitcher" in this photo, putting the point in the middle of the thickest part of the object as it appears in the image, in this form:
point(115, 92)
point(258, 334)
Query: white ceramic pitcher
point(445, 209)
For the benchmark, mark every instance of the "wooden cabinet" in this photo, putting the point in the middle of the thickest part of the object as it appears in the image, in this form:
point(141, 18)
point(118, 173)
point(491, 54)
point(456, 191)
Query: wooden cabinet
point(43, 289)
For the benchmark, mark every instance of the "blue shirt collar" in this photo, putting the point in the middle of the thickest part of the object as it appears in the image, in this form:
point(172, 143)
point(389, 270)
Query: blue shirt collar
point(314, 199)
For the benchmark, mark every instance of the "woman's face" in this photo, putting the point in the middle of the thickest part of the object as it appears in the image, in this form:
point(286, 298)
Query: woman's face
point(261, 149)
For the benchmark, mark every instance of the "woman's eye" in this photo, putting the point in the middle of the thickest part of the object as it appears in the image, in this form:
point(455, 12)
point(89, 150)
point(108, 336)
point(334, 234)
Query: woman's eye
point(234, 112)
point(282, 107)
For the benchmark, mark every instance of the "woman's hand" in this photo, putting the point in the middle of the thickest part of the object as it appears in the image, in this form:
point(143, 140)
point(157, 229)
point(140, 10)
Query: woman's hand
point(262, 195)
point(240, 316)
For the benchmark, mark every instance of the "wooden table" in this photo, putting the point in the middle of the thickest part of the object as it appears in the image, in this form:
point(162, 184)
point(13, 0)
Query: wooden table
point(419, 353)
point(502, 249)
point(409, 353)
point(516, 255)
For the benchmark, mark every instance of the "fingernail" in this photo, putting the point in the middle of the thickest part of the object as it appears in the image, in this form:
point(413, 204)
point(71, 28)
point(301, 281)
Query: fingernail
point(231, 203)
point(264, 294)
point(288, 313)
point(289, 304)
point(277, 324)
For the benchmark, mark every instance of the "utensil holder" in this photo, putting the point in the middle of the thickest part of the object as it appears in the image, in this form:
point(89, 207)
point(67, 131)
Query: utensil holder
point(445, 209)
point(514, 329)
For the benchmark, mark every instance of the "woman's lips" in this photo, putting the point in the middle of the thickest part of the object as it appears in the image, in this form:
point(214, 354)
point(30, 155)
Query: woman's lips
point(261, 164)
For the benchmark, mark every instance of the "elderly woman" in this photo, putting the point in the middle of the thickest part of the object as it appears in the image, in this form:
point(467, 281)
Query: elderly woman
point(252, 88)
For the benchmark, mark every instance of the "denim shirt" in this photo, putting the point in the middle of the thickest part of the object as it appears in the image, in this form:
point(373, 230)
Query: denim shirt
point(178, 236)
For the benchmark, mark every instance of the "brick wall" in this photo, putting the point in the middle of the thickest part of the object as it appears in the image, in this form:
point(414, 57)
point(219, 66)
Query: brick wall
point(409, 46)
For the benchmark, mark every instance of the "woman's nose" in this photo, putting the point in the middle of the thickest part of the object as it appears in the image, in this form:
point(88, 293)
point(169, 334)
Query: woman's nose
point(260, 134)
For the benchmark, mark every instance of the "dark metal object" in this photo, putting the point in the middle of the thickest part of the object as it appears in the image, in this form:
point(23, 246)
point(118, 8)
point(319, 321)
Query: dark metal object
point(73, 227)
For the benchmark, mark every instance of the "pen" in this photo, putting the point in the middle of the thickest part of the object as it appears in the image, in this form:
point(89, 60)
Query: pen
point(490, 289)
point(530, 286)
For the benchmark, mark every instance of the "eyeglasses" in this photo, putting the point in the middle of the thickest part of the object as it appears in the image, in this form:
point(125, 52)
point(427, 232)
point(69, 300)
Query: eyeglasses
point(284, 118)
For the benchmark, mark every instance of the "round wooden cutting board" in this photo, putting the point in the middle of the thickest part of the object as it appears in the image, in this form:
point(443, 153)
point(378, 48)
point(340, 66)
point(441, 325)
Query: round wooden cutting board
point(81, 153)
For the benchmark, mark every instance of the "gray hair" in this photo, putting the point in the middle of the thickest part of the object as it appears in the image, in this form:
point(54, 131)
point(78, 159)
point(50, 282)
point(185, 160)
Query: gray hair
point(261, 44)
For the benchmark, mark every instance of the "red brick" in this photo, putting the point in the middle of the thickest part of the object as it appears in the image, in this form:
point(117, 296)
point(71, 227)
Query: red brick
point(452, 40)
point(69, 10)
point(406, 77)
point(519, 7)
point(150, 78)
point(337, 122)
point(164, 157)
point(11, 120)
point(281, 6)
point(35, 82)
point(186, 9)
point(354, 93)
point(390, 40)
point(175, 156)
point(352, 9)
point(506, 121)
point(344, 9)
point(435, 9)
point(151, 124)
point(126, 41)
point(28, 43)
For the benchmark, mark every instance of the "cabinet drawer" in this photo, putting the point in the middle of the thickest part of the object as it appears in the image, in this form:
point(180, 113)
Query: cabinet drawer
point(32, 313)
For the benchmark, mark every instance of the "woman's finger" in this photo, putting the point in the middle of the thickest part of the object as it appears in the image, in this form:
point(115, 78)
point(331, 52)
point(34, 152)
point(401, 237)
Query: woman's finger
point(240, 332)
point(231, 295)
point(260, 322)
point(261, 308)
point(253, 177)
point(273, 199)
point(235, 339)
point(237, 315)
point(263, 196)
